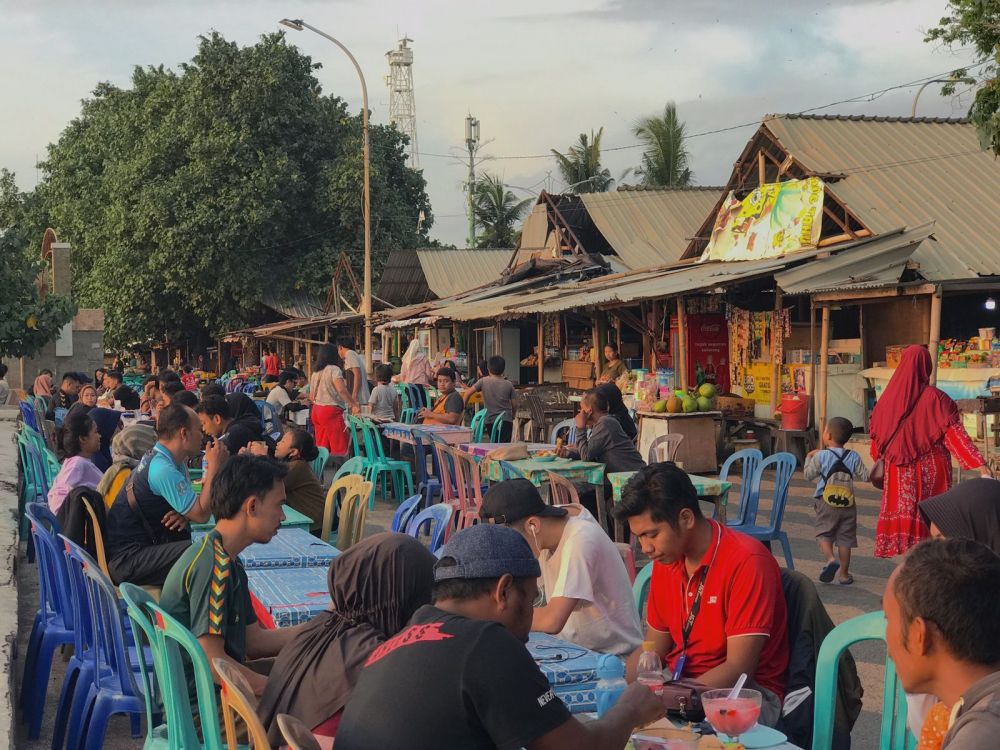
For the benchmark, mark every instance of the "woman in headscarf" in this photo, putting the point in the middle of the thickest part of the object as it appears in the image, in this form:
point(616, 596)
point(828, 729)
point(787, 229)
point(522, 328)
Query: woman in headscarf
point(243, 411)
point(416, 368)
point(915, 429)
point(375, 587)
point(43, 384)
point(108, 422)
point(618, 410)
point(128, 446)
point(87, 396)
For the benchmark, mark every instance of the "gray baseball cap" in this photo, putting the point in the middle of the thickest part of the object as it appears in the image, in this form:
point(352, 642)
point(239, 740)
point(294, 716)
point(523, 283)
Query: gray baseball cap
point(487, 551)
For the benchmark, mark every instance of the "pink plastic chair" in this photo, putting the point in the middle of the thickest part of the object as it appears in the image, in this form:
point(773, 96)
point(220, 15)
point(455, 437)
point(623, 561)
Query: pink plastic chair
point(561, 490)
point(470, 488)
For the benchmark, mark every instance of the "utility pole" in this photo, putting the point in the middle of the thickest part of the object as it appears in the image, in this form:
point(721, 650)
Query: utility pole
point(472, 141)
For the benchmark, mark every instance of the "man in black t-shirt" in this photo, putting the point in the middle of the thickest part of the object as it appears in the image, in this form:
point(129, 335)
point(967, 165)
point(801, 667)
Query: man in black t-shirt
point(449, 408)
point(217, 422)
point(459, 676)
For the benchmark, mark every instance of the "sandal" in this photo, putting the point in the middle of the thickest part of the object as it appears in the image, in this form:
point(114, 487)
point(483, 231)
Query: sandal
point(829, 571)
point(846, 581)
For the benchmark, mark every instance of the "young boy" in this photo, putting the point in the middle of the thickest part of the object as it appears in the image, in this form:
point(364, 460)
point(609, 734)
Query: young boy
point(499, 396)
point(384, 399)
point(835, 467)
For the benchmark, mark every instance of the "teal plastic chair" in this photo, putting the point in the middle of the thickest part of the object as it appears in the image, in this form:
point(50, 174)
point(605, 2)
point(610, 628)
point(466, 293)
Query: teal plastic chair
point(870, 627)
point(379, 467)
point(640, 589)
point(319, 463)
point(137, 603)
point(179, 650)
point(497, 430)
point(354, 465)
point(478, 425)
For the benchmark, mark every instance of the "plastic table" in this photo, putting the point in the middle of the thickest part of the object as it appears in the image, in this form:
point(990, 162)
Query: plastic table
point(403, 433)
point(479, 450)
point(290, 548)
point(708, 488)
point(283, 597)
point(293, 520)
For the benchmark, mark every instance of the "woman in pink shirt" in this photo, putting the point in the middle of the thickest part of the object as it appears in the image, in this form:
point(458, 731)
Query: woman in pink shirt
point(81, 441)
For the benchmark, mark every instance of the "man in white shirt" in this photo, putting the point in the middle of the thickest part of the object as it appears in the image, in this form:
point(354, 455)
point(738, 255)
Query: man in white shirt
point(587, 589)
point(284, 398)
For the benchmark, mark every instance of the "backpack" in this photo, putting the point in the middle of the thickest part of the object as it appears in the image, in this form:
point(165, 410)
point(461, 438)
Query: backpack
point(838, 492)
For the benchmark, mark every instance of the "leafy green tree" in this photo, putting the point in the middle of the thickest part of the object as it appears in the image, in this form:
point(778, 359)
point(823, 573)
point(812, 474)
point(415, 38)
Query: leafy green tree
point(27, 322)
point(581, 168)
point(976, 24)
point(190, 194)
point(497, 211)
point(665, 158)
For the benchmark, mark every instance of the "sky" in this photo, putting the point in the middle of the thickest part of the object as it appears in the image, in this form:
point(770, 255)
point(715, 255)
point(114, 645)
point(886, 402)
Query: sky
point(535, 74)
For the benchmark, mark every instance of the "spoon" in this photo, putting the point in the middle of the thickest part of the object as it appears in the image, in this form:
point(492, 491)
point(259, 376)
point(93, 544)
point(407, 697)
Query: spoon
point(734, 693)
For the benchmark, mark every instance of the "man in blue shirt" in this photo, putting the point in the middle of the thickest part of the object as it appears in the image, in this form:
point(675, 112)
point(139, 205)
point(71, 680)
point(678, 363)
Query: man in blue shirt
point(148, 521)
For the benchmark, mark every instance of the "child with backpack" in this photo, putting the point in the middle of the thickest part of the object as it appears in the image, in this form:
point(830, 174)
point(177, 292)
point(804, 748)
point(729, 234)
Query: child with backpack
point(835, 467)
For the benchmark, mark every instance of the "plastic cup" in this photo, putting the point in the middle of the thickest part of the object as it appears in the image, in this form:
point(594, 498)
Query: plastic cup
point(732, 716)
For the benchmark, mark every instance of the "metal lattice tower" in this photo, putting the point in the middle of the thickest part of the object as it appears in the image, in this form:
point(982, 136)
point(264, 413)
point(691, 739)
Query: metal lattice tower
point(402, 105)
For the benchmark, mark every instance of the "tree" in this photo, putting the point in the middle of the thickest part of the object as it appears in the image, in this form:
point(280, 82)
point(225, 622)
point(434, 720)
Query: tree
point(976, 24)
point(497, 211)
point(580, 166)
point(27, 322)
point(192, 193)
point(665, 159)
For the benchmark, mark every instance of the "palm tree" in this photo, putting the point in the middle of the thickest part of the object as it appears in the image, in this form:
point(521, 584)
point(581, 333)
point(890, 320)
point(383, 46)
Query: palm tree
point(496, 211)
point(581, 165)
point(665, 161)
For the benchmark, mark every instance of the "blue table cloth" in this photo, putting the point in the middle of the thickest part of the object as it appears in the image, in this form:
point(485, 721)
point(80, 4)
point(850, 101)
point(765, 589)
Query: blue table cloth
point(290, 548)
point(570, 669)
point(290, 595)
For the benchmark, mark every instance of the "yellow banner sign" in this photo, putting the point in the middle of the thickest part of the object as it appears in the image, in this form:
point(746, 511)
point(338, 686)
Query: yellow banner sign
point(775, 219)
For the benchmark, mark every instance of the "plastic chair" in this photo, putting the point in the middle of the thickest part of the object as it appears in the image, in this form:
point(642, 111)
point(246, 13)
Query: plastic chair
point(102, 560)
point(784, 467)
point(428, 484)
point(318, 464)
point(478, 425)
point(354, 465)
point(297, 734)
point(664, 448)
point(404, 512)
point(496, 432)
point(750, 458)
point(334, 507)
point(180, 649)
point(447, 472)
point(470, 487)
point(379, 467)
point(53, 624)
point(116, 486)
point(437, 520)
point(870, 627)
point(354, 514)
point(144, 633)
point(237, 701)
point(628, 557)
point(640, 589)
point(28, 415)
point(561, 490)
point(567, 424)
point(270, 420)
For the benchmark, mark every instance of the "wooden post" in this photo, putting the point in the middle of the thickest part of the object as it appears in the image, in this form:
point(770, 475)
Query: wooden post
point(814, 389)
point(309, 358)
point(647, 339)
point(761, 169)
point(541, 349)
point(824, 366)
point(597, 342)
point(935, 337)
point(776, 330)
point(682, 353)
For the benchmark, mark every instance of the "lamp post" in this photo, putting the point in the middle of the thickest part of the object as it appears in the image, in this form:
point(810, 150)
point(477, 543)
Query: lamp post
point(366, 302)
point(964, 79)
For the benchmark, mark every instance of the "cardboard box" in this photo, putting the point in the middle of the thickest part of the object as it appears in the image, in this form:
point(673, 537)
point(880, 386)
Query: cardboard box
point(577, 369)
point(582, 384)
point(733, 406)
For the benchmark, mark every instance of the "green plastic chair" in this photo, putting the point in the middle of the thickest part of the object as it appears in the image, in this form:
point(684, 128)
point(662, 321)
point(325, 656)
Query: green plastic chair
point(318, 464)
point(496, 430)
point(870, 627)
point(179, 647)
point(144, 633)
point(478, 426)
point(379, 467)
point(640, 589)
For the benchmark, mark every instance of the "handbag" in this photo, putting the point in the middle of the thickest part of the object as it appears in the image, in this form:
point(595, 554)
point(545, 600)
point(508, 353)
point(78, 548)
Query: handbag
point(683, 698)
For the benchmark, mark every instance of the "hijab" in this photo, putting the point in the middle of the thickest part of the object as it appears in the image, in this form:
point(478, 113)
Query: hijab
point(415, 365)
point(43, 385)
point(242, 410)
point(617, 409)
point(128, 446)
point(969, 510)
point(912, 416)
point(108, 421)
point(375, 587)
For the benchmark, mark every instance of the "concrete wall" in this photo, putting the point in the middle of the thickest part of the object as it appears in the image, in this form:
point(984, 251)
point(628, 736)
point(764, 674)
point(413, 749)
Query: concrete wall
point(88, 355)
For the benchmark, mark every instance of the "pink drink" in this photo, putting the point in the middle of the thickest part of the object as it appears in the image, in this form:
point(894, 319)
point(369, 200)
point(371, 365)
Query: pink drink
point(653, 681)
point(732, 716)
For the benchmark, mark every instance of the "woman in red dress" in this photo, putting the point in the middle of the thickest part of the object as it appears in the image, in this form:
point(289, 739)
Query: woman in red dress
point(916, 429)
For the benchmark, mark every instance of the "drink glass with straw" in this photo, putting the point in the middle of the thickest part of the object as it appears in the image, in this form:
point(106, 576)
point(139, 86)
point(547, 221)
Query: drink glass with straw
point(731, 712)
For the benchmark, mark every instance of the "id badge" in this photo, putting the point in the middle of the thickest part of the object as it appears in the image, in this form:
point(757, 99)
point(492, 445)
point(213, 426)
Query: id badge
point(679, 669)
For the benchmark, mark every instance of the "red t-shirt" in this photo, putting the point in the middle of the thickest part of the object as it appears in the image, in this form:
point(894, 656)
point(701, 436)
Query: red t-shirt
point(272, 364)
point(742, 596)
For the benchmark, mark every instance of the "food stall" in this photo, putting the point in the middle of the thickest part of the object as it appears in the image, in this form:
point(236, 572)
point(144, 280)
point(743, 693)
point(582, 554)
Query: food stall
point(697, 452)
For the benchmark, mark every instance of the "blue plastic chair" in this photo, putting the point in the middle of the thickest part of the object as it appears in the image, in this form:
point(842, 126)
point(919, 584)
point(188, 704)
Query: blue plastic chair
point(428, 484)
point(28, 415)
point(496, 432)
point(137, 603)
point(870, 627)
point(270, 421)
point(567, 424)
point(53, 625)
point(784, 467)
point(437, 521)
point(640, 589)
point(478, 425)
point(404, 512)
point(750, 458)
point(319, 463)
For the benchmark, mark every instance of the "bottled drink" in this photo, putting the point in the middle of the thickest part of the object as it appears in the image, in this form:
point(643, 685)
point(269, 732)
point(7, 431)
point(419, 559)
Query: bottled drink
point(649, 671)
point(610, 682)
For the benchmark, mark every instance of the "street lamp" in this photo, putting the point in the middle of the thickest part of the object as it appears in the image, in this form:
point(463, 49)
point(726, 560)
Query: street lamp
point(366, 303)
point(966, 79)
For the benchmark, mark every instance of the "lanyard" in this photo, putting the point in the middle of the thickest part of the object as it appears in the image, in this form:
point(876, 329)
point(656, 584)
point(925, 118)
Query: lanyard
point(693, 614)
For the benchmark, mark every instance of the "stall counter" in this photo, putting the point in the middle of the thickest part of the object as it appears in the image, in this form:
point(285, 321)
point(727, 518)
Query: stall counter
point(700, 430)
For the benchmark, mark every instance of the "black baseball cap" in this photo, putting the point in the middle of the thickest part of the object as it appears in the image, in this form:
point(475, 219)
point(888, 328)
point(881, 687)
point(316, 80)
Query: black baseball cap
point(514, 499)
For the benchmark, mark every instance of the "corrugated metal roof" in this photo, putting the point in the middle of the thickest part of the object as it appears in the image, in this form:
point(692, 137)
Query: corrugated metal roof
point(535, 230)
point(450, 272)
point(296, 304)
point(903, 172)
point(402, 281)
point(649, 227)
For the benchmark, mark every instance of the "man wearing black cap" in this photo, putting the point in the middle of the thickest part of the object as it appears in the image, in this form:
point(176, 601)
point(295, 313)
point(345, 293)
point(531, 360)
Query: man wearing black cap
point(459, 675)
point(587, 590)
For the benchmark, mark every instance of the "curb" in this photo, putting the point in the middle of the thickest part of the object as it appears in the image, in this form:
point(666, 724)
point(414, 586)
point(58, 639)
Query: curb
point(8, 573)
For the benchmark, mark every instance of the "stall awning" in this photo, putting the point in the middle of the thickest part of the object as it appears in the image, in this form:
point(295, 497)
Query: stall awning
point(423, 322)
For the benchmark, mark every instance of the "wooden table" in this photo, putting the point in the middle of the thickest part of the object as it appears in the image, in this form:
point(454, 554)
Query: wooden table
point(403, 433)
point(708, 488)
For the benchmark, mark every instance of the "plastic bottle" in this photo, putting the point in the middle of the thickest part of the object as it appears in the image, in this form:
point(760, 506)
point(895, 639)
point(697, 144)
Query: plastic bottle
point(610, 682)
point(649, 671)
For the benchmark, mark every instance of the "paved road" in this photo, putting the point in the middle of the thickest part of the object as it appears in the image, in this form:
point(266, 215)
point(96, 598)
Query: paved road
point(843, 602)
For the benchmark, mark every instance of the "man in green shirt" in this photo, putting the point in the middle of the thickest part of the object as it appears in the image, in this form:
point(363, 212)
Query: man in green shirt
point(206, 589)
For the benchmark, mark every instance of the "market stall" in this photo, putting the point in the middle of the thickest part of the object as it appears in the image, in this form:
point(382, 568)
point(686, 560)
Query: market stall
point(701, 431)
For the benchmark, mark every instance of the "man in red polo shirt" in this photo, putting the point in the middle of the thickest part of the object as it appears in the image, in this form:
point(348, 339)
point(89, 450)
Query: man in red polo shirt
point(740, 623)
